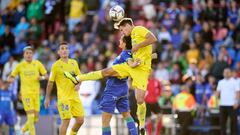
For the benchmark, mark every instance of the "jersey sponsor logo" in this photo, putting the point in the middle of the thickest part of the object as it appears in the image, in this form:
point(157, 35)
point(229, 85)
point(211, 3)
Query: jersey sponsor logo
point(29, 73)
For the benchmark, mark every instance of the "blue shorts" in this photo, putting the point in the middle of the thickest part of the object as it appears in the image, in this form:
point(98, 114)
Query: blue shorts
point(109, 102)
point(9, 117)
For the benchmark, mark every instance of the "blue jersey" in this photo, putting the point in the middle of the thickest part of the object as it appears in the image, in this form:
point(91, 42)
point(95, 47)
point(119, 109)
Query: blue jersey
point(7, 112)
point(6, 100)
point(115, 83)
point(115, 94)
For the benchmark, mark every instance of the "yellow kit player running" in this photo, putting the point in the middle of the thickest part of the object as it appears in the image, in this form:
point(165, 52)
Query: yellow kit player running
point(142, 40)
point(30, 72)
point(69, 104)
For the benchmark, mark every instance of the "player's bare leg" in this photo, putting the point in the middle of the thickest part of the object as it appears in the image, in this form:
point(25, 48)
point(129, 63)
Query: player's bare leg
point(106, 118)
point(141, 109)
point(78, 123)
point(64, 126)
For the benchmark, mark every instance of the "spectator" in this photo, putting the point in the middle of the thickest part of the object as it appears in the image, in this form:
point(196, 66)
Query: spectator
point(164, 36)
point(210, 13)
point(34, 31)
point(192, 69)
point(8, 39)
point(175, 38)
point(168, 22)
point(77, 13)
point(173, 11)
point(8, 67)
point(192, 53)
point(206, 33)
point(233, 13)
point(228, 89)
point(161, 72)
point(21, 28)
point(218, 67)
point(34, 10)
point(175, 77)
point(222, 12)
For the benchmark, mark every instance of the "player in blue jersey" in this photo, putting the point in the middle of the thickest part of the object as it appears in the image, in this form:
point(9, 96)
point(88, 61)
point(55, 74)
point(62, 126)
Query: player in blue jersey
point(7, 112)
point(116, 92)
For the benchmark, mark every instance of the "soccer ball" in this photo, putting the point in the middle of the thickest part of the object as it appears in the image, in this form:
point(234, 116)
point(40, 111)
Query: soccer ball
point(116, 13)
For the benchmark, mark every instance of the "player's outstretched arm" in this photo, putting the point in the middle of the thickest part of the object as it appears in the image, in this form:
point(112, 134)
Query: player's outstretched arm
point(150, 39)
point(48, 94)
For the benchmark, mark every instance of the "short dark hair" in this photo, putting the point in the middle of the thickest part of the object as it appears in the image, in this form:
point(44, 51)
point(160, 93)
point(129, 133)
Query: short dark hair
point(124, 22)
point(63, 43)
point(128, 41)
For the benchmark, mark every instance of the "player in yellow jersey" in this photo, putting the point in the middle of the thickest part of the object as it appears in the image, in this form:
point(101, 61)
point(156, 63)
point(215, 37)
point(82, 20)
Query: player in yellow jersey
point(69, 104)
point(142, 40)
point(30, 72)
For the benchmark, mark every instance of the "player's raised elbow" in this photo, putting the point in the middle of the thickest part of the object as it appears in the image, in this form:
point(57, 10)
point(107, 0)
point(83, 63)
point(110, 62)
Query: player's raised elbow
point(152, 38)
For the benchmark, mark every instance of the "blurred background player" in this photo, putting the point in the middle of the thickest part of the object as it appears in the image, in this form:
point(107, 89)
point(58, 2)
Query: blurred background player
point(30, 72)
point(7, 113)
point(69, 104)
point(151, 98)
point(116, 92)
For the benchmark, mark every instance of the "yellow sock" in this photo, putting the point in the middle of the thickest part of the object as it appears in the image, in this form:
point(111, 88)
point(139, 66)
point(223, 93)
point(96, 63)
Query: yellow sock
point(25, 127)
point(73, 133)
point(141, 113)
point(35, 119)
point(31, 126)
point(96, 75)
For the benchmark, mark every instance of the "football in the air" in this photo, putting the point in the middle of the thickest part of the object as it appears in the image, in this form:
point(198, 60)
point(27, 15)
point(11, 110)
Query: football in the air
point(116, 13)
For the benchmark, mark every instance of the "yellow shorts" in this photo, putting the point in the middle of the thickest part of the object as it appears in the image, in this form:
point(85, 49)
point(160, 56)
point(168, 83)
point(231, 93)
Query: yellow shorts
point(138, 74)
point(31, 102)
point(70, 108)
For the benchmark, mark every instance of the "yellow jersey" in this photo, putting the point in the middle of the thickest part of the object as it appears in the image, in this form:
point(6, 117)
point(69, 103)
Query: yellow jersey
point(77, 9)
point(138, 35)
point(65, 87)
point(29, 76)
